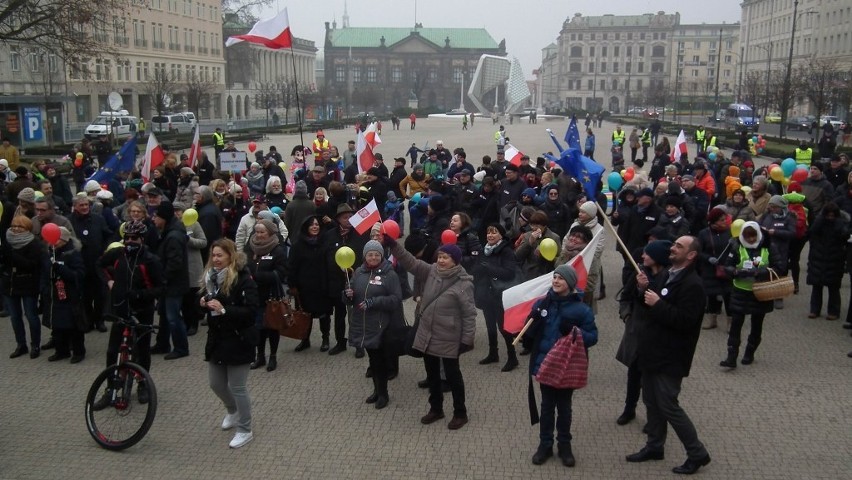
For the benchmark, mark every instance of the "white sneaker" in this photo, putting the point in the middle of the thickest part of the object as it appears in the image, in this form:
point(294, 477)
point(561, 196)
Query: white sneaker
point(230, 421)
point(240, 439)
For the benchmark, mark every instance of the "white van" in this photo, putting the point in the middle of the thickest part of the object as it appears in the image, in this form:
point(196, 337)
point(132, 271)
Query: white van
point(117, 123)
point(191, 117)
point(173, 123)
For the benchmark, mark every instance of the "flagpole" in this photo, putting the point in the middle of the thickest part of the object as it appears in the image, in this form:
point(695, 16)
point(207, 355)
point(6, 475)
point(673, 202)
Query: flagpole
point(618, 239)
point(296, 87)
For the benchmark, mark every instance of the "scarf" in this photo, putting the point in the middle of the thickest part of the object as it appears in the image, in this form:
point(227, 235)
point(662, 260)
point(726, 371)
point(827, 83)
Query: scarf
point(488, 249)
point(263, 248)
point(253, 177)
point(19, 240)
point(214, 280)
point(573, 251)
point(450, 272)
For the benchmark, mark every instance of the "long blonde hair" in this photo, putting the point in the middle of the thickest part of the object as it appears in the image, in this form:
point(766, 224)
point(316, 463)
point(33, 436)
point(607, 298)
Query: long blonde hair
point(232, 271)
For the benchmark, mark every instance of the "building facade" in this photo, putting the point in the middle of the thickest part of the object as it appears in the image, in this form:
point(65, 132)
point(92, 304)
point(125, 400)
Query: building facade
point(381, 69)
point(704, 66)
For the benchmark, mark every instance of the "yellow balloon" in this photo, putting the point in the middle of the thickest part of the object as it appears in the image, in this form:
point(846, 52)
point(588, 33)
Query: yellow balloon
point(746, 189)
point(79, 156)
point(190, 216)
point(785, 181)
point(121, 229)
point(622, 173)
point(777, 174)
point(344, 257)
point(737, 227)
point(115, 244)
point(548, 249)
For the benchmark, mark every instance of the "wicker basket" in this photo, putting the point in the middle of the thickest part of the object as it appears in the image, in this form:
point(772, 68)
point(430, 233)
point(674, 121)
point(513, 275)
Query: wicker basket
point(775, 288)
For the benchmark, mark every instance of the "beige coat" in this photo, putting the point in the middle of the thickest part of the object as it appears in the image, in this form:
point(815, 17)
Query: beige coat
point(449, 321)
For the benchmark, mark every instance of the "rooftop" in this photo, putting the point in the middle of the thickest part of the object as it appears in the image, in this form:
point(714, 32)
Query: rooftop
point(477, 38)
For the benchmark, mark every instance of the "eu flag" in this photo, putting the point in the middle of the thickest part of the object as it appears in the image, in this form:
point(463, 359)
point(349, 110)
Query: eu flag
point(123, 161)
point(572, 135)
point(584, 169)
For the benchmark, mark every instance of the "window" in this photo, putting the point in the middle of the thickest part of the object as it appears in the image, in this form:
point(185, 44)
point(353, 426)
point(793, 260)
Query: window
point(573, 36)
point(696, 44)
point(694, 72)
point(591, 67)
point(663, 36)
point(605, 36)
point(603, 67)
point(641, 67)
point(396, 74)
point(712, 59)
point(727, 59)
point(614, 68)
point(729, 44)
point(641, 51)
point(711, 73)
point(199, 10)
point(138, 71)
point(591, 85)
point(591, 36)
point(591, 51)
point(639, 84)
point(457, 75)
point(618, 36)
point(34, 60)
point(576, 51)
point(356, 74)
point(187, 7)
point(630, 35)
point(617, 51)
point(53, 64)
point(629, 51)
point(696, 59)
point(603, 84)
point(603, 51)
point(656, 36)
point(657, 67)
point(575, 67)
point(371, 74)
point(15, 59)
point(727, 73)
point(615, 84)
point(432, 76)
point(658, 51)
point(642, 36)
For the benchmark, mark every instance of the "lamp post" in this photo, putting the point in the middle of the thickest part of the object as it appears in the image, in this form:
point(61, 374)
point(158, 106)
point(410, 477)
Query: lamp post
point(594, 85)
point(785, 99)
point(718, 67)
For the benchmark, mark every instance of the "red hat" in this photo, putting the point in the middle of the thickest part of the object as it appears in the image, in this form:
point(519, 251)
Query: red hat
point(794, 187)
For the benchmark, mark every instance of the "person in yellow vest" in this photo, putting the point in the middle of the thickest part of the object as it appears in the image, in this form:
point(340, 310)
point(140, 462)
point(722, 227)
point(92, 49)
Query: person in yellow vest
point(709, 140)
point(804, 154)
point(699, 139)
point(218, 141)
point(10, 153)
point(748, 260)
point(618, 136)
point(646, 143)
point(320, 144)
point(141, 128)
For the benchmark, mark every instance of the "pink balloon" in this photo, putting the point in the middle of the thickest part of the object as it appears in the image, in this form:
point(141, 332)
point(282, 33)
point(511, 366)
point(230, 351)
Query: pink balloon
point(50, 233)
point(448, 237)
point(252, 147)
point(391, 229)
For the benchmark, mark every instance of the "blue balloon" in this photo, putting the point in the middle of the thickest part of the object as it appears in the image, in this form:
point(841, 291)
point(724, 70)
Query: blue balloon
point(276, 210)
point(614, 181)
point(754, 139)
point(416, 197)
point(788, 166)
point(712, 156)
point(802, 166)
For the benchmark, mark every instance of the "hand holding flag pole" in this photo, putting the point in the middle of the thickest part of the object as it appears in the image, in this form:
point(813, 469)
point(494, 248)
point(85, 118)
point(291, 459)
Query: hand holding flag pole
point(618, 239)
point(522, 332)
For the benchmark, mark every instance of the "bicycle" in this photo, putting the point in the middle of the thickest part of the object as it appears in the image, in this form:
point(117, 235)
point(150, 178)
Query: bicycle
point(114, 420)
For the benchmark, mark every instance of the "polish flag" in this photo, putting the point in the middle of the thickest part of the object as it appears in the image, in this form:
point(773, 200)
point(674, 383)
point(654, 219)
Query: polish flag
point(519, 300)
point(153, 157)
point(367, 141)
point(365, 218)
point(513, 155)
point(272, 33)
point(195, 150)
point(680, 146)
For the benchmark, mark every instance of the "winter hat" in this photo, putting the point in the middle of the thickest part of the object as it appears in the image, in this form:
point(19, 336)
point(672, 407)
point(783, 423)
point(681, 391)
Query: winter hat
point(166, 211)
point(528, 192)
point(415, 244)
point(92, 186)
point(500, 228)
point(751, 225)
point(568, 273)
point(671, 200)
point(453, 251)
point(645, 192)
point(64, 234)
point(187, 171)
point(589, 208)
point(27, 195)
point(180, 206)
point(302, 187)
point(512, 168)
point(253, 165)
point(659, 251)
point(270, 226)
point(687, 178)
point(658, 232)
point(733, 171)
point(104, 195)
point(715, 214)
point(794, 187)
point(778, 201)
point(4, 162)
point(374, 246)
point(438, 203)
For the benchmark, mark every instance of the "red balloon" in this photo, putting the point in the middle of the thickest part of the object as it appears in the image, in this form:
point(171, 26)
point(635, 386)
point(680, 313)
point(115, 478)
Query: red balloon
point(50, 233)
point(799, 175)
point(252, 147)
point(391, 229)
point(629, 174)
point(78, 163)
point(448, 237)
point(552, 164)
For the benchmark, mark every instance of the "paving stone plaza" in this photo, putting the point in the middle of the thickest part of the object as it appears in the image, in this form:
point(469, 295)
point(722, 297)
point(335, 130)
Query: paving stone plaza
point(787, 416)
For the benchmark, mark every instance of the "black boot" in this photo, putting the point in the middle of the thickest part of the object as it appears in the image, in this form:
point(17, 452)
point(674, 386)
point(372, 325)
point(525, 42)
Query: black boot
point(382, 390)
point(324, 346)
point(100, 326)
point(566, 455)
point(375, 395)
point(273, 363)
point(748, 356)
point(731, 360)
point(492, 357)
point(259, 361)
point(303, 345)
point(511, 362)
point(542, 454)
point(626, 417)
point(339, 348)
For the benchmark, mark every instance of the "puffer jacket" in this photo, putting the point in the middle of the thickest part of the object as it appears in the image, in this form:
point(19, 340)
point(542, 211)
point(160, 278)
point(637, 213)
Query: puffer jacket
point(449, 321)
point(231, 338)
point(380, 288)
point(469, 244)
point(784, 231)
point(827, 250)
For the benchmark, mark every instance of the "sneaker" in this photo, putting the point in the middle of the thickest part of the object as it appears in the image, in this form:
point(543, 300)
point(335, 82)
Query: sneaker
point(240, 439)
point(230, 421)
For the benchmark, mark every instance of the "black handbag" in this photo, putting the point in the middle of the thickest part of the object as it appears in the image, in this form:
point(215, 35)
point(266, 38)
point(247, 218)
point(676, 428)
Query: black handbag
point(405, 334)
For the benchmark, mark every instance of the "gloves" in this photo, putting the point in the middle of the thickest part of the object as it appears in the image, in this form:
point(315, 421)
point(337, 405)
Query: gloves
point(713, 260)
point(366, 304)
point(464, 348)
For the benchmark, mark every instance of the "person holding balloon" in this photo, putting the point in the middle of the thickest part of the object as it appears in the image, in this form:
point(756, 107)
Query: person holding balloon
point(196, 242)
point(535, 253)
point(61, 294)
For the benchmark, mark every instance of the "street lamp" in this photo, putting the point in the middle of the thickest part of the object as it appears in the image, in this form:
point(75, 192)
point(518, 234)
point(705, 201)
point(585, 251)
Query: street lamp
point(718, 67)
point(788, 76)
point(768, 50)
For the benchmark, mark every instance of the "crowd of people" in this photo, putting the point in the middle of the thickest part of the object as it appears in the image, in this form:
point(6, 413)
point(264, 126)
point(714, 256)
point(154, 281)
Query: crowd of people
point(130, 247)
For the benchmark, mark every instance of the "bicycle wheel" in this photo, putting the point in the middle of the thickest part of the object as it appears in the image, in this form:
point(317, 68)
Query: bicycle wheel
point(113, 417)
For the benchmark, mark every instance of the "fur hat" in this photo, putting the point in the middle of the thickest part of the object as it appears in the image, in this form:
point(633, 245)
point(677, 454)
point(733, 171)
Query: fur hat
point(659, 251)
point(568, 273)
point(453, 251)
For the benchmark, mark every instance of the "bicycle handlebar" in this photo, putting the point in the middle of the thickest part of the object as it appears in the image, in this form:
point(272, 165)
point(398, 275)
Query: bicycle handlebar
point(131, 322)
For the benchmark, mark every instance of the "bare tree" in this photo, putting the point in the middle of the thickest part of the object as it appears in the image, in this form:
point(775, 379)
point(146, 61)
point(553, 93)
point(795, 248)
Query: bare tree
point(197, 91)
point(160, 86)
point(814, 80)
point(287, 95)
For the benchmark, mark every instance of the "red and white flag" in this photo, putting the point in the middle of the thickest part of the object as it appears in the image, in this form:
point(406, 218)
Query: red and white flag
point(512, 154)
point(367, 141)
point(519, 300)
point(153, 157)
point(680, 147)
point(195, 149)
point(272, 33)
point(365, 218)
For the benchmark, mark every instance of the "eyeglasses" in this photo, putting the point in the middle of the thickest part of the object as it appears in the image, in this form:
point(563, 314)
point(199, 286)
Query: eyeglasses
point(553, 194)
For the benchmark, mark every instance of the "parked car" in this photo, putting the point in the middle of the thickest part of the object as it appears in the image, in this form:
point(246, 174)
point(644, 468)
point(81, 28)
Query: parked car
point(799, 123)
point(650, 113)
point(773, 117)
point(834, 121)
point(191, 117)
point(174, 123)
point(717, 117)
point(118, 123)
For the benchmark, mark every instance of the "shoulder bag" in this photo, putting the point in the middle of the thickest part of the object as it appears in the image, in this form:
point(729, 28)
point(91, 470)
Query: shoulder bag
point(277, 312)
point(566, 364)
point(297, 324)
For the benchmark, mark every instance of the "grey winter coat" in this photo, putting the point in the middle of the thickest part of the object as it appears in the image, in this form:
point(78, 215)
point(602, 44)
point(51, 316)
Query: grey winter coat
point(449, 321)
point(196, 242)
point(381, 290)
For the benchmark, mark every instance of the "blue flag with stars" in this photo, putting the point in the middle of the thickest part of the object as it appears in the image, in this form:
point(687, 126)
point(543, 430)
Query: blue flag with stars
point(123, 161)
point(572, 135)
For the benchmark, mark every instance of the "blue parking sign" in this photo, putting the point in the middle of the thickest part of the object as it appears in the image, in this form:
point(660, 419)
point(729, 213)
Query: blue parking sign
point(33, 129)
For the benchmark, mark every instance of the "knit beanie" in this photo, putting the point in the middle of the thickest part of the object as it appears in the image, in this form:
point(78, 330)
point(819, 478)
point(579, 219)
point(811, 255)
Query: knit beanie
point(659, 251)
point(453, 251)
point(92, 186)
point(187, 171)
point(528, 192)
point(589, 208)
point(270, 226)
point(568, 273)
point(64, 234)
point(166, 211)
point(778, 201)
point(27, 195)
point(374, 246)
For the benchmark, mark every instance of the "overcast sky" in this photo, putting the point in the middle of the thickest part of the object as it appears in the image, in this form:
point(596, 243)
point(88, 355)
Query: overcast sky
point(527, 25)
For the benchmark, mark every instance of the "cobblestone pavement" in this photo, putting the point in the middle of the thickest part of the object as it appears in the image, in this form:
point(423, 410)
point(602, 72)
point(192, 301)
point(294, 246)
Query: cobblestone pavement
point(784, 417)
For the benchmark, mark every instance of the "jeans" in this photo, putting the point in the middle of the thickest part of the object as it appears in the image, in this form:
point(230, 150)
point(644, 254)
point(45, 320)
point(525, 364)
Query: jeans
point(555, 411)
point(454, 378)
point(173, 326)
point(833, 307)
point(660, 392)
point(754, 335)
point(18, 307)
point(228, 382)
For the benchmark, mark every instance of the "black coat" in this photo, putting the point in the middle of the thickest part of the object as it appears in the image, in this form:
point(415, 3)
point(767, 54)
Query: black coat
point(210, 218)
point(231, 338)
point(307, 272)
point(397, 176)
point(637, 224)
point(631, 307)
point(264, 270)
point(743, 301)
point(827, 250)
point(499, 265)
point(21, 269)
point(138, 280)
point(173, 255)
point(93, 233)
point(669, 332)
point(333, 240)
point(68, 268)
point(713, 244)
